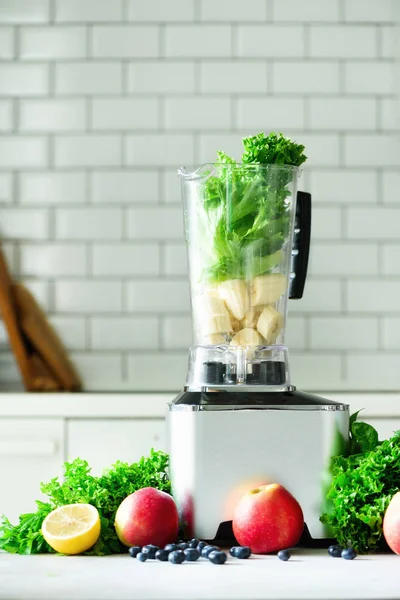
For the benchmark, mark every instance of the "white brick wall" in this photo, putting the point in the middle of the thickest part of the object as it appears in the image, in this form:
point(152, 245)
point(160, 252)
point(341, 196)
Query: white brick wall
point(101, 101)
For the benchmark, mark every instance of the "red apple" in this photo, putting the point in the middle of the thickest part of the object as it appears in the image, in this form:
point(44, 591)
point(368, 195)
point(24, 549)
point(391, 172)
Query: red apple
point(268, 519)
point(147, 516)
point(391, 524)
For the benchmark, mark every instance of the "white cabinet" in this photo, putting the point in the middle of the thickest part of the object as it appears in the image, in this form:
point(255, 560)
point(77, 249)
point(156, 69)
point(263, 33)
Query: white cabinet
point(31, 451)
point(104, 441)
point(38, 433)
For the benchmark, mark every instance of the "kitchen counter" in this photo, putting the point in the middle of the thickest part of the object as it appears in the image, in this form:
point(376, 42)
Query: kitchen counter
point(142, 405)
point(309, 574)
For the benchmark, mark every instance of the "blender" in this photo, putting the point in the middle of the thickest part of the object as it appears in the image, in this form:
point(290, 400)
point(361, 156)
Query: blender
point(240, 422)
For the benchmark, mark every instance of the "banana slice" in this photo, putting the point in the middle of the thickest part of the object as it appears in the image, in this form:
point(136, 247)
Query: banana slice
point(267, 289)
point(236, 325)
point(270, 324)
point(211, 315)
point(247, 337)
point(252, 317)
point(216, 339)
point(234, 293)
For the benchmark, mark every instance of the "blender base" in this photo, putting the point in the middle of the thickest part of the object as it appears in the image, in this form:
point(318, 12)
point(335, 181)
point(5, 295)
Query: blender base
point(225, 538)
point(222, 444)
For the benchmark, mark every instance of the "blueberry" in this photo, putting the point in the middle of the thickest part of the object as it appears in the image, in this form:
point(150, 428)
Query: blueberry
point(134, 551)
point(171, 547)
point(176, 557)
point(193, 543)
point(243, 552)
point(201, 545)
point(183, 545)
point(150, 550)
point(335, 551)
point(142, 556)
point(162, 555)
point(207, 549)
point(349, 553)
point(283, 554)
point(191, 554)
point(217, 557)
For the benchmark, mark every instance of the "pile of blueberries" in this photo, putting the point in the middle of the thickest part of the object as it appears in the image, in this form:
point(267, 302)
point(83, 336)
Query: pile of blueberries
point(338, 551)
point(187, 551)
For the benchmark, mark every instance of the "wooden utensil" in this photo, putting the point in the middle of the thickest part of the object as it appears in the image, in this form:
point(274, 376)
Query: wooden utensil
point(10, 320)
point(42, 378)
point(43, 338)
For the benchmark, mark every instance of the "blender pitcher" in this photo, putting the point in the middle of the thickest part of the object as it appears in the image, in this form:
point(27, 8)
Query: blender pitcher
point(247, 232)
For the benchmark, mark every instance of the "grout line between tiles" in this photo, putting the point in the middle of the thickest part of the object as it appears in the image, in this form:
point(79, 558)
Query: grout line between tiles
point(342, 78)
point(197, 11)
point(269, 67)
point(307, 41)
point(52, 11)
point(89, 40)
point(343, 365)
point(124, 366)
point(125, 11)
point(162, 40)
point(269, 11)
point(379, 114)
point(160, 332)
point(341, 11)
point(381, 332)
point(89, 260)
point(344, 295)
point(16, 41)
point(88, 332)
point(379, 41)
point(234, 41)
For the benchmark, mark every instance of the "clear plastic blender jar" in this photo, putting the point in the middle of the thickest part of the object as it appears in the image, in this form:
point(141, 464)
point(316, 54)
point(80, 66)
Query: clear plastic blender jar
point(239, 228)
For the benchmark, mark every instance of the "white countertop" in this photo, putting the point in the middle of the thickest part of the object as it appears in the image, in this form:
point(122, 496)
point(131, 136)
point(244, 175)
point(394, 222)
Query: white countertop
point(142, 405)
point(307, 575)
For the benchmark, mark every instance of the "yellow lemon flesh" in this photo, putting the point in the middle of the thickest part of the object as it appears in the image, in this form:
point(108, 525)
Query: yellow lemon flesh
point(72, 529)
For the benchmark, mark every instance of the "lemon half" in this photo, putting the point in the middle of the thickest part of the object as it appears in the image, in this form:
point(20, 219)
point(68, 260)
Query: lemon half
point(72, 529)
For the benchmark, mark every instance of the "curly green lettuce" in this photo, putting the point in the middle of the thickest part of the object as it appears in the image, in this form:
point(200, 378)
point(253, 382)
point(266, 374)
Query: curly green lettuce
point(246, 216)
point(363, 484)
point(78, 485)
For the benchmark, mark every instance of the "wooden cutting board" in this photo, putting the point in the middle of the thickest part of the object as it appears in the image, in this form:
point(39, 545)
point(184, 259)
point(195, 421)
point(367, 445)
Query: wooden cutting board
point(43, 338)
point(35, 374)
point(10, 321)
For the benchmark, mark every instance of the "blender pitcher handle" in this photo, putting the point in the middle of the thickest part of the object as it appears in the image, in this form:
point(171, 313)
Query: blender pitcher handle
point(301, 245)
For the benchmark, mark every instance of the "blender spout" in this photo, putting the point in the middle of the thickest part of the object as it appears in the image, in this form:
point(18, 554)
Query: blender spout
point(202, 173)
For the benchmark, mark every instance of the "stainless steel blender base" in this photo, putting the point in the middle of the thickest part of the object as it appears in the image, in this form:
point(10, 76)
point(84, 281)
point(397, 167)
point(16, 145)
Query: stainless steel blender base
point(220, 451)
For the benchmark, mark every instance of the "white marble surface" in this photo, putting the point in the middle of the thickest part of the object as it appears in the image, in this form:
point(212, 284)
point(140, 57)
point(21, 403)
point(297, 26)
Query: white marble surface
point(307, 575)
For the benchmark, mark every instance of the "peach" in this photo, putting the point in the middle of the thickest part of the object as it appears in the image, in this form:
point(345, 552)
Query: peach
point(147, 516)
point(391, 524)
point(268, 519)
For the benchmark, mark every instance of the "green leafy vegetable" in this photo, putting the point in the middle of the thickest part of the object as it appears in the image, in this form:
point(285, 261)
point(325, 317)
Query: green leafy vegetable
point(78, 485)
point(245, 212)
point(363, 484)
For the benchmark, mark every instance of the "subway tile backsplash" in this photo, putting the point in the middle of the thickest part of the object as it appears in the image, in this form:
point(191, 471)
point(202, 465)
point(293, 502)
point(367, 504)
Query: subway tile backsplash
point(102, 100)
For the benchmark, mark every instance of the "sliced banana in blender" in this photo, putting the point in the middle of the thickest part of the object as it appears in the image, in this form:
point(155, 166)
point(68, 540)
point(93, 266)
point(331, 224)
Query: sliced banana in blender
point(267, 289)
point(270, 324)
point(211, 315)
point(247, 337)
point(236, 325)
point(252, 317)
point(234, 293)
point(215, 339)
